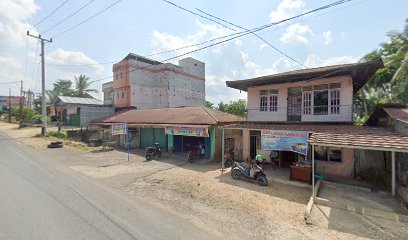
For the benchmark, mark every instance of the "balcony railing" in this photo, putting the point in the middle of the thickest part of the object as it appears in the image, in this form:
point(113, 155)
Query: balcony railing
point(335, 113)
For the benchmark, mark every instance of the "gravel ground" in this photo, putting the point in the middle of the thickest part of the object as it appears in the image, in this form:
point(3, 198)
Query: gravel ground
point(198, 191)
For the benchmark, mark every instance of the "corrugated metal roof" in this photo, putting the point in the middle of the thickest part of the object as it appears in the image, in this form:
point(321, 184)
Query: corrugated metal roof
point(341, 135)
point(360, 72)
point(181, 115)
point(78, 100)
point(400, 114)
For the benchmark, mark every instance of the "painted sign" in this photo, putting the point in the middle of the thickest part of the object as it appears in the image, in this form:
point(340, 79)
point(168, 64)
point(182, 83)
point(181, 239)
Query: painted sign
point(119, 128)
point(284, 141)
point(187, 131)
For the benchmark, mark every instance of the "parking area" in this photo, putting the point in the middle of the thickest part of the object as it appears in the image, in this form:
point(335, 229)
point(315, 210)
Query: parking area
point(360, 212)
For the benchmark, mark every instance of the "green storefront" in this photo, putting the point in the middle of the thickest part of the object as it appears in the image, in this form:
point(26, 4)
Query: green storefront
point(148, 136)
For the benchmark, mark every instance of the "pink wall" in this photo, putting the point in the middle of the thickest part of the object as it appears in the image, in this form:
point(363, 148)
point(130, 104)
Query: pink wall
point(245, 143)
point(345, 168)
point(121, 84)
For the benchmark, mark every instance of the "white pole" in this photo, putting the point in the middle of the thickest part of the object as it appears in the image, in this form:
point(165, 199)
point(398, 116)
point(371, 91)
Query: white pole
point(313, 175)
point(393, 175)
point(223, 145)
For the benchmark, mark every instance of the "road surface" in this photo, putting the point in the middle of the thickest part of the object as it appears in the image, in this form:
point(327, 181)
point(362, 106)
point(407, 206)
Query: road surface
point(41, 199)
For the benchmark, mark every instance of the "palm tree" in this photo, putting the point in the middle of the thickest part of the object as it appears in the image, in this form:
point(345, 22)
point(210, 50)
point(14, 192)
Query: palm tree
point(82, 87)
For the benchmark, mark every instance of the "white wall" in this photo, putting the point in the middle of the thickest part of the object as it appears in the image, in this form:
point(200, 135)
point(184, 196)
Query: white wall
point(346, 101)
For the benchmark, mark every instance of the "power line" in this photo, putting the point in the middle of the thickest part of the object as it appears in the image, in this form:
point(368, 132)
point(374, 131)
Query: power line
point(89, 18)
point(243, 33)
point(212, 20)
point(49, 15)
point(66, 18)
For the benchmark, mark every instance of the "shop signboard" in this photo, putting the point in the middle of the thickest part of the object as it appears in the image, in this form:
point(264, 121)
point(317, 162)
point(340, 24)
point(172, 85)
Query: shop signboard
point(119, 128)
point(187, 131)
point(284, 140)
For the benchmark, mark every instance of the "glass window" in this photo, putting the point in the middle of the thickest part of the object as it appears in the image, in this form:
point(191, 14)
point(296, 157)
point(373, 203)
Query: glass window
point(320, 153)
point(263, 92)
point(328, 154)
point(321, 102)
point(320, 87)
point(307, 88)
point(273, 91)
point(334, 154)
point(335, 101)
point(273, 103)
point(123, 95)
point(335, 85)
point(307, 103)
point(121, 75)
point(263, 104)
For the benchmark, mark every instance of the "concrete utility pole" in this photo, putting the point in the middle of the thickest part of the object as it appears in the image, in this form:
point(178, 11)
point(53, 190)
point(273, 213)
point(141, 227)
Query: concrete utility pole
point(9, 105)
point(21, 102)
point(43, 107)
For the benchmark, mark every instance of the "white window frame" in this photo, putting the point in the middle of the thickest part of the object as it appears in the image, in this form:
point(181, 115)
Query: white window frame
point(307, 103)
point(268, 100)
point(263, 103)
point(334, 98)
point(273, 102)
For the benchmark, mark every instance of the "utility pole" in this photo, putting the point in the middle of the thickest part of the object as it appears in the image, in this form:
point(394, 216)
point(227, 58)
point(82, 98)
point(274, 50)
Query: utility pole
point(43, 107)
point(21, 103)
point(9, 105)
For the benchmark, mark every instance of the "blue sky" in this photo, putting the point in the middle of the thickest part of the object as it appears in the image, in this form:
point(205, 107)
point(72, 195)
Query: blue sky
point(341, 34)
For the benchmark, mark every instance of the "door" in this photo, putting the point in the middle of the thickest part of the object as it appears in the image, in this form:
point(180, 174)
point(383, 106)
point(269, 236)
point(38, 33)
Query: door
point(252, 147)
point(294, 111)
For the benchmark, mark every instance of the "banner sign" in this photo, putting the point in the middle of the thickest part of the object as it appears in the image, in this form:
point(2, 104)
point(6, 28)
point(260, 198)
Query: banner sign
point(187, 131)
point(284, 141)
point(119, 128)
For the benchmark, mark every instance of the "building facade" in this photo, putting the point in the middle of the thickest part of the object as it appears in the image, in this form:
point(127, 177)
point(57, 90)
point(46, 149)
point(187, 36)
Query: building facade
point(147, 84)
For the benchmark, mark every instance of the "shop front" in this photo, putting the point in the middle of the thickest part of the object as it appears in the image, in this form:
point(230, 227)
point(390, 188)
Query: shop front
point(183, 138)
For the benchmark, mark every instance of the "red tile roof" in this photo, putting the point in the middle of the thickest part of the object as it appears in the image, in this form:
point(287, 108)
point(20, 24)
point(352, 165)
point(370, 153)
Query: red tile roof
point(341, 135)
point(181, 115)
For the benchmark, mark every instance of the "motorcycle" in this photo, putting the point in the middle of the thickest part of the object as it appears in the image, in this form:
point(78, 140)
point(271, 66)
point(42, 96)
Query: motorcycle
point(195, 152)
point(229, 158)
point(254, 172)
point(153, 152)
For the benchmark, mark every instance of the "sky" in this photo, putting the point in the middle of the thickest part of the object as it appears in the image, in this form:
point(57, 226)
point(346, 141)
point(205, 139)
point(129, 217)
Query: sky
point(342, 34)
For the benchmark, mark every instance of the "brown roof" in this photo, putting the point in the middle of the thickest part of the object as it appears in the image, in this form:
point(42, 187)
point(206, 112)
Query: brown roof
point(400, 114)
point(360, 72)
point(165, 116)
point(342, 135)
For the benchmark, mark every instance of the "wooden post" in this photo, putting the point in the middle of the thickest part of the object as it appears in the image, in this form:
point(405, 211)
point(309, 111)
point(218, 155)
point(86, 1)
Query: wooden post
point(222, 150)
point(393, 174)
point(313, 175)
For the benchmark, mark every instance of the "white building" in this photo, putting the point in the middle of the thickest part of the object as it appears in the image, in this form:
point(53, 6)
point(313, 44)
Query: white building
point(147, 84)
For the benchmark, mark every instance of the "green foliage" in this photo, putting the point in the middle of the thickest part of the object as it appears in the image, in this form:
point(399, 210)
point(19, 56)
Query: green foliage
point(62, 87)
point(23, 115)
point(38, 119)
point(234, 107)
point(57, 134)
point(209, 104)
point(389, 84)
point(82, 87)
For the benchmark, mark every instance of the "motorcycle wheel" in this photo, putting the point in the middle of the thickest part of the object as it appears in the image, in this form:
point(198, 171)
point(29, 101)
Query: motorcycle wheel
point(189, 159)
point(148, 157)
point(236, 173)
point(159, 154)
point(261, 179)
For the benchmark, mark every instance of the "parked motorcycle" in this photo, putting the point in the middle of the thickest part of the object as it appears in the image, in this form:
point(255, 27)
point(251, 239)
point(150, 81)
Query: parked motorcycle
point(195, 152)
point(254, 172)
point(229, 158)
point(153, 152)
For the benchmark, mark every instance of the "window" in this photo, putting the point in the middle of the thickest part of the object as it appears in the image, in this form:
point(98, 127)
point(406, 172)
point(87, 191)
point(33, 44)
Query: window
point(123, 95)
point(335, 101)
point(117, 95)
point(268, 100)
point(307, 103)
point(121, 75)
point(264, 104)
point(321, 101)
point(328, 154)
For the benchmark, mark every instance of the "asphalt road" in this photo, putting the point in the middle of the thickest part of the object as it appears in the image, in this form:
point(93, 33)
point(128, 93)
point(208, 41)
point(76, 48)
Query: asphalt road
point(41, 199)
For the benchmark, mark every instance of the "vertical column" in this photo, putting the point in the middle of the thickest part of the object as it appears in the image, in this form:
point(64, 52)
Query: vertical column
point(222, 149)
point(170, 142)
point(393, 174)
point(313, 173)
point(245, 144)
point(212, 142)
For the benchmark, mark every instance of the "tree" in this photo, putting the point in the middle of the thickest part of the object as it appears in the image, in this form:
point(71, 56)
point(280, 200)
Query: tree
point(222, 106)
point(62, 87)
point(209, 104)
point(237, 107)
point(23, 115)
point(389, 84)
point(82, 87)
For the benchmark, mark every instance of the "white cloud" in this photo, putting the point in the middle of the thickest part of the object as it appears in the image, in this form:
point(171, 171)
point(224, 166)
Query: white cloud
point(16, 63)
point(314, 60)
point(296, 33)
point(263, 45)
point(286, 9)
point(328, 38)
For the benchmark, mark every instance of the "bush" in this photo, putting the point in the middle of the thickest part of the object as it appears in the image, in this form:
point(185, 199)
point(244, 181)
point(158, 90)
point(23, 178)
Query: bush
point(57, 134)
point(38, 119)
point(24, 114)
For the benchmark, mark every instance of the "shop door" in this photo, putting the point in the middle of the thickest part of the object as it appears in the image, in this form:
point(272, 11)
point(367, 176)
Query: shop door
point(294, 111)
point(146, 137)
point(252, 147)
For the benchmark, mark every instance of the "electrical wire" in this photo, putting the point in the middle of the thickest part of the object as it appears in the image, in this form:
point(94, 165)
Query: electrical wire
point(68, 17)
point(86, 20)
point(240, 35)
point(268, 43)
point(49, 15)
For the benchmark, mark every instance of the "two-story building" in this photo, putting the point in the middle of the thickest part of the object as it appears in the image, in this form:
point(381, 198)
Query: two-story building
point(143, 83)
point(308, 114)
